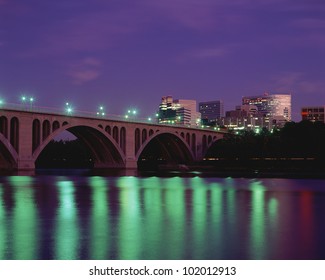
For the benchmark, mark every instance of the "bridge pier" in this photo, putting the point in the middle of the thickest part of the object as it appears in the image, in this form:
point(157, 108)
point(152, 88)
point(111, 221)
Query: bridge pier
point(25, 164)
point(131, 164)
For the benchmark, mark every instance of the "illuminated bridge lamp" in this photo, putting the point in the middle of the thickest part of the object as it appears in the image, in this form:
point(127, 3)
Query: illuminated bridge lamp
point(101, 111)
point(68, 108)
point(31, 100)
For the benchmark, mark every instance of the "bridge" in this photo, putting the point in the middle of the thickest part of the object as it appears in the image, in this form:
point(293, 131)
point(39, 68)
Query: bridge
point(113, 142)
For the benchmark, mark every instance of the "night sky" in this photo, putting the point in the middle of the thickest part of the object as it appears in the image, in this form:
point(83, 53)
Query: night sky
point(128, 53)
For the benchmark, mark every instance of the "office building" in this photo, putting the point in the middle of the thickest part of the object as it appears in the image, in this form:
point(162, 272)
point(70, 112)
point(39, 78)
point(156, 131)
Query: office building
point(276, 106)
point(211, 110)
point(313, 114)
point(178, 111)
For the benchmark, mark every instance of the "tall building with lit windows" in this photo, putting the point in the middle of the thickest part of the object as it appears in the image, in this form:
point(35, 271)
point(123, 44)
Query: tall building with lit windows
point(211, 110)
point(178, 111)
point(271, 105)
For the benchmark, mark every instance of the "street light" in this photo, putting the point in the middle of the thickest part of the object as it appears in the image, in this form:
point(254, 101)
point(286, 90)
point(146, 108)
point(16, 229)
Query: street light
point(31, 100)
point(100, 111)
point(130, 113)
point(68, 108)
point(24, 99)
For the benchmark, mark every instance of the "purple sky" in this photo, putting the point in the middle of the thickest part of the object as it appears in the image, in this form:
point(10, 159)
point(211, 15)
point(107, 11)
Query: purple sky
point(129, 53)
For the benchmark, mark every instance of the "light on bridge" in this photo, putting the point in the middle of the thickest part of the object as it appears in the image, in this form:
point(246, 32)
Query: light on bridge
point(68, 108)
point(24, 99)
point(100, 111)
point(131, 113)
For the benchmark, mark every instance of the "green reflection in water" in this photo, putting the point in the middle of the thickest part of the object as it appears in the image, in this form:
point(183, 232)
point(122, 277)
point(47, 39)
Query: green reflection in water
point(25, 226)
point(66, 229)
point(153, 216)
point(216, 216)
point(257, 226)
point(99, 228)
point(20, 181)
point(200, 222)
point(231, 206)
point(174, 216)
point(3, 226)
point(273, 214)
point(273, 210)
point(129, 227)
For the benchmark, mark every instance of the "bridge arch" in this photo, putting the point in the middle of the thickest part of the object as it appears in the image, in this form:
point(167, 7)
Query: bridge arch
point(46, 129)
point(8, 154)
point(55, 126)
point(4, 126)
point(105, 150)
point(209, 145)
point(36, 134)
point(168, 146)
point(14, 133)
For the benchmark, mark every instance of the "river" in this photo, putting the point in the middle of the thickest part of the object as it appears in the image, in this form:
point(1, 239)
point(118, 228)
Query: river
point(175, 216)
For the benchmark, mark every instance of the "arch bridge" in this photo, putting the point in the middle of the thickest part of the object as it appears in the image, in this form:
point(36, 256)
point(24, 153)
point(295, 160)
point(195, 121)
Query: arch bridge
point(113, 143)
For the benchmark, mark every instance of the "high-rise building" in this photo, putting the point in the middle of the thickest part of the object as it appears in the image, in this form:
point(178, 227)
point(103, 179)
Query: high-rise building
point(178, 111)
point(211, 110)
point(271, 105)
point(313, 114)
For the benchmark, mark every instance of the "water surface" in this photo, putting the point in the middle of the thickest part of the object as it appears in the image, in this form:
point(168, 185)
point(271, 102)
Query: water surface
point(175, 217)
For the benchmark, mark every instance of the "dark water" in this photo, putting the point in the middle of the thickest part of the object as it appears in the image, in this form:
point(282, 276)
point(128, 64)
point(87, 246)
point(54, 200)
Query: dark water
point(127, 217)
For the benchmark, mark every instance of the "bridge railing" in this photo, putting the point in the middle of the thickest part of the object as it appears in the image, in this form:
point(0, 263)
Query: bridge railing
point(91, 115)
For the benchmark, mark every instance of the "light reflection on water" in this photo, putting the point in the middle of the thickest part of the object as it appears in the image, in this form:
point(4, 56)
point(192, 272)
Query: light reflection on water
point(71, 217)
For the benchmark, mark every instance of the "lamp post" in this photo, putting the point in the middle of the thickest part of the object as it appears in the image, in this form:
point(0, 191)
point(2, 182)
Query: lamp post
point(68, 108)
point(31, 100)
point(23, 101)
point(100, 111)
point(130, 114)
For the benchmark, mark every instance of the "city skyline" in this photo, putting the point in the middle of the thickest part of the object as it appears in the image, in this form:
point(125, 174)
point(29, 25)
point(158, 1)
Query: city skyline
point(126, 54)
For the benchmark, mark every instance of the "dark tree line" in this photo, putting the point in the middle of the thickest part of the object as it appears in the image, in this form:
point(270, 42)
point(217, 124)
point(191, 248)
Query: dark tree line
point(295, 140)
point(303, 141)
point(65, 154)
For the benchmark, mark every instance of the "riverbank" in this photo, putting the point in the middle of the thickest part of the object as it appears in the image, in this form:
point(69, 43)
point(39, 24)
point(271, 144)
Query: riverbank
point(261, 167)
